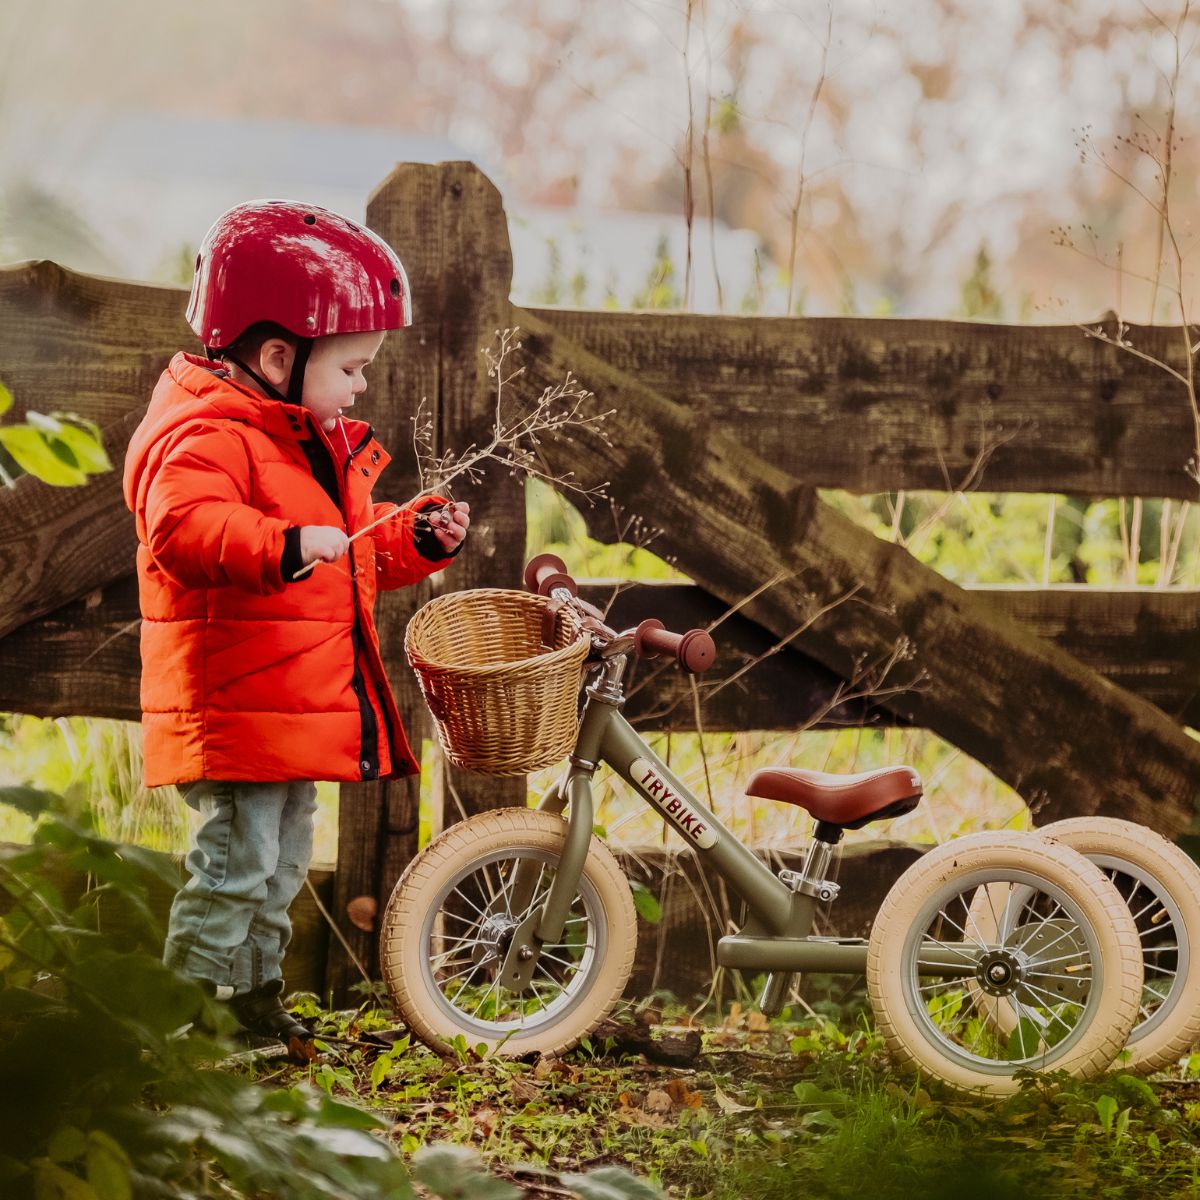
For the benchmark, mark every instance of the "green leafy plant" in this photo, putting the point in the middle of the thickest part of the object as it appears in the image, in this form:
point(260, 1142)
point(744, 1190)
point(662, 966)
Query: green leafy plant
point(114, 1101)
point(57, 448)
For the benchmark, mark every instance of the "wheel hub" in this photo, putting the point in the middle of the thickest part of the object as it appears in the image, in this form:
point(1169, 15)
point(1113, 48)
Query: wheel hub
point(494, 937)
point(1000, 972)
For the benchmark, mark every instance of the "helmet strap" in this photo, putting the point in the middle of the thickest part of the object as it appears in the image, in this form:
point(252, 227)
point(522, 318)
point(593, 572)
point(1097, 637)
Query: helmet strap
point(299, 365)
point(295, 383)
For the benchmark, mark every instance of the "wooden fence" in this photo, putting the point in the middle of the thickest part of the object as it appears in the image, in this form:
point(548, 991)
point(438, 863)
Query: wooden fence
point(725, 429)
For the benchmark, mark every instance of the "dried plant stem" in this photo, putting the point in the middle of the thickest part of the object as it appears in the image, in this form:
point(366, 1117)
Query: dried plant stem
point(784, 641)
point(801, 171)
point(914, 541)
point(341, 937)
point(689, 150)
point(1047, 552)
point(706, 154)
point(1171, 558)
point(515, 439)
point(897, 514)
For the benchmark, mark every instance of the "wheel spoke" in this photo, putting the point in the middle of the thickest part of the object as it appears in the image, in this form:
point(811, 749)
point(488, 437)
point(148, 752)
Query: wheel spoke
point(459, 892)
point(469, 971)
point(966, 936)
point(1146, 907)
point(1000, 925)
point(483, 998)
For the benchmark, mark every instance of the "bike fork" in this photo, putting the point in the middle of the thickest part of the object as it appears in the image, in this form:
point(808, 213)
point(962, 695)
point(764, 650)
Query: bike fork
point(546, 922)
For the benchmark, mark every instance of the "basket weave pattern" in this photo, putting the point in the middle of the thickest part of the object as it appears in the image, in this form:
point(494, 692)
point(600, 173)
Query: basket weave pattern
point(503, 704)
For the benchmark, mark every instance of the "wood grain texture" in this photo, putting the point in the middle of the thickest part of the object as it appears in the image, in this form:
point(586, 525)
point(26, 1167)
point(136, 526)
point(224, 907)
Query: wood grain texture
point(85, 344)
point(1067, 740)
point(874, 404)
point(93, 347)
point(448, 226)
point(461, 280)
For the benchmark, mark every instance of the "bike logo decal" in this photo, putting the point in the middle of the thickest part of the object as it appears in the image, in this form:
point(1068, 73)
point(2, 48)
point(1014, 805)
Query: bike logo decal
point(682, 817)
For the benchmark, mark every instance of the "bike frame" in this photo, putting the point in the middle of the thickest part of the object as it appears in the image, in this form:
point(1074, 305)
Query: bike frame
point(777, 934)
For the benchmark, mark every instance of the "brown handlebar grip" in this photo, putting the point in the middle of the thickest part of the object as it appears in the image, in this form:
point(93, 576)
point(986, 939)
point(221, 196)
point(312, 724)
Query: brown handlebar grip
point(694, 650)
point(546, 572)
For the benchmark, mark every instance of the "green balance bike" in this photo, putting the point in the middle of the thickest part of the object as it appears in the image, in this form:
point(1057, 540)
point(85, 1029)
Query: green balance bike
point(992, 955)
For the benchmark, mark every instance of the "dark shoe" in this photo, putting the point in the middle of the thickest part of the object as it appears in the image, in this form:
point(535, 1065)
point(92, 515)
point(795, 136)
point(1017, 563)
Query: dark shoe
point(261, 1012)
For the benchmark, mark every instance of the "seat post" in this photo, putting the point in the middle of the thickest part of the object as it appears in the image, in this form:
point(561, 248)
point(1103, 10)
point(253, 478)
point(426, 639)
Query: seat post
point(810, 880)
point(820, 851)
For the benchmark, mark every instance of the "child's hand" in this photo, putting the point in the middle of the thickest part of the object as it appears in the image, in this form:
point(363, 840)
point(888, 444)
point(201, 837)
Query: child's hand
point(450, 526)
point(322, 543)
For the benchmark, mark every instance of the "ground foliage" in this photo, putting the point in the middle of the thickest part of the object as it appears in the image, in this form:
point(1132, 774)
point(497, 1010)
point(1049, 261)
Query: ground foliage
point(804, 1105)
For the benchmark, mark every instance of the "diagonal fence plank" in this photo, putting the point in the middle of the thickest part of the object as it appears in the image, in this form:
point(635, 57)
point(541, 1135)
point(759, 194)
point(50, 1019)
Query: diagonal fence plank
point(1066, 739)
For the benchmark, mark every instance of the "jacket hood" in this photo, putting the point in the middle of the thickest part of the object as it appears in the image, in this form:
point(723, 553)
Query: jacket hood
point(191, 393)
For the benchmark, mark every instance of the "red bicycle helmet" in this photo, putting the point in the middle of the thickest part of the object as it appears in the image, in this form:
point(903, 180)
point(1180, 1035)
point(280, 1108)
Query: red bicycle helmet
point(305, 268)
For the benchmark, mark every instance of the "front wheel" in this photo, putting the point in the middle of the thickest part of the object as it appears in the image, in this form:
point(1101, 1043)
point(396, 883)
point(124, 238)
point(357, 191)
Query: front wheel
point(1059, 947)
point(450, 919)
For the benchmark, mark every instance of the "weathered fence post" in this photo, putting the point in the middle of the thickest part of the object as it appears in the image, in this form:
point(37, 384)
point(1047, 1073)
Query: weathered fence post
point(448, 225)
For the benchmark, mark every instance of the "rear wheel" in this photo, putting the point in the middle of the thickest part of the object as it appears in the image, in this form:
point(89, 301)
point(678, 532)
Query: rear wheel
point(1060, 948)
point(1160, 885)
point(450, 920)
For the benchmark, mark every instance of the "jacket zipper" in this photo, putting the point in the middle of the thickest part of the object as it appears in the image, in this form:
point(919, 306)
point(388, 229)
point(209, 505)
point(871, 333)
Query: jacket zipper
point(368, 760)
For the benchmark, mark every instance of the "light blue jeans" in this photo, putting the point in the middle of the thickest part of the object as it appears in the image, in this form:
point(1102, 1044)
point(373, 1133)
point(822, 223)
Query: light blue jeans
point(229, 922)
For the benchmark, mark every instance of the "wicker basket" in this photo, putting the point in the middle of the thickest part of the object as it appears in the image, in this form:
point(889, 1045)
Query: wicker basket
point(503, 703)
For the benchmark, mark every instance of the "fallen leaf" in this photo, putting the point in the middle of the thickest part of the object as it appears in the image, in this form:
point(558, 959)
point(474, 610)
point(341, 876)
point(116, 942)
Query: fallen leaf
point(678, 1091)
point(548, 1065)
point(728, 1105)
point(658, 1101)
point(635, 1116)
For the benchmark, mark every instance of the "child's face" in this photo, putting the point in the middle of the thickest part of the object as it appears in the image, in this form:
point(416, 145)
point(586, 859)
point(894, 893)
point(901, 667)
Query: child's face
point(335, 373)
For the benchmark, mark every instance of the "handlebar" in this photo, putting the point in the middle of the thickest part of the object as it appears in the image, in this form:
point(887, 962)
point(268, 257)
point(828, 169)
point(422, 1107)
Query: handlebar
point(547, 572)
point(694, 650)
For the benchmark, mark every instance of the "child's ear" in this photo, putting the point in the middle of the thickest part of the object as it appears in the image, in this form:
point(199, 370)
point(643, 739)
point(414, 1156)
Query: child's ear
point(275, 361)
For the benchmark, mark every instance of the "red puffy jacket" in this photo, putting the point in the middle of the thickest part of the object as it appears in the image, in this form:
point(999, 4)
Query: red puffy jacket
point(246, 676)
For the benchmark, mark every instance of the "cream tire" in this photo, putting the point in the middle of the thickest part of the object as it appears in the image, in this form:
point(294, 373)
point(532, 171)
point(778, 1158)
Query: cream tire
point(1077, 962)
point(1161, 886)
point(443, 930)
